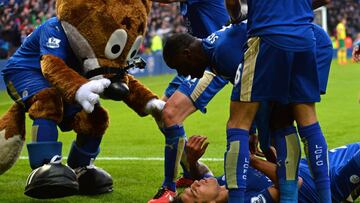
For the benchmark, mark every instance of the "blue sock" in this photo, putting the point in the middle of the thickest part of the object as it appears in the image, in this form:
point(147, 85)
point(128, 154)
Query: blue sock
point(41, 153)
point(174, 146)
point(288, 152)
point(236, 163)
point(80, 157)
point(44, 130)
point(316, 153)
point(89, 144)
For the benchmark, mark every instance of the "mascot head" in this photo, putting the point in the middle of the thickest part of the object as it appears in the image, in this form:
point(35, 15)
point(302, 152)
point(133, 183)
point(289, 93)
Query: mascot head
point(104, 33)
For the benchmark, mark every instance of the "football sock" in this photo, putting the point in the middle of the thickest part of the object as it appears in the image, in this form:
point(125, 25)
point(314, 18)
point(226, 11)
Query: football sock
point(174, 147)
point(44, 130)
point(236, 163)
point(79, 157)
point(288, 150)
point(316, 153)
point(89, 144)
point(41, 153)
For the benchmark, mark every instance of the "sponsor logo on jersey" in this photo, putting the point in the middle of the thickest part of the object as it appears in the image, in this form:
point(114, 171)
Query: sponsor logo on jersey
point(258, 199)
point(53, 43)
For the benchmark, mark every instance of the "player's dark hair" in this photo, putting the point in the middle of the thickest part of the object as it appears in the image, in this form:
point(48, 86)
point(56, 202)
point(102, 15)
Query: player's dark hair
point(176, 199)
point(174, 45)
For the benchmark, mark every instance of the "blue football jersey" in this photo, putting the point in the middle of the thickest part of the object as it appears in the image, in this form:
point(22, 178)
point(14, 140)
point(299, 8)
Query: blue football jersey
point(225, 50)
point(285, 24)
point(203, 17)
point(48, 38)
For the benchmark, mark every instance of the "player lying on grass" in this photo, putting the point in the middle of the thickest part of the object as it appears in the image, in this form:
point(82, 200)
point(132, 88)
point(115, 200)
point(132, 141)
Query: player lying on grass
point(262, 182)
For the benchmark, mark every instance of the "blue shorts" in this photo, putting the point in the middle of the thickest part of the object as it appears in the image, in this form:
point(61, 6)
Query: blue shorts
point(323, 58)
point(273, 74)
point(200, 91)
point(24, 84)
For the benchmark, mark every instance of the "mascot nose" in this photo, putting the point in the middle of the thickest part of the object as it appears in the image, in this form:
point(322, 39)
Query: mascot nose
point(117, 91)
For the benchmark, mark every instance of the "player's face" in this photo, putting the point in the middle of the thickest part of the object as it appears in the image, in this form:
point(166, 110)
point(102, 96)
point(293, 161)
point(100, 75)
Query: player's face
point(205, 190)
point(189, 65)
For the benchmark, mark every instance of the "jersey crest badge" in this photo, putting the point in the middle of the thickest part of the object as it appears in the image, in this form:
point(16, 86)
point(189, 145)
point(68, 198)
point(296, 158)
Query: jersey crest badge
point(53, 43)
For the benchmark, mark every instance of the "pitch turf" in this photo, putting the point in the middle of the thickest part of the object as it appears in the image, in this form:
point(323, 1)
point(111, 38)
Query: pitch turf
point(132, 136)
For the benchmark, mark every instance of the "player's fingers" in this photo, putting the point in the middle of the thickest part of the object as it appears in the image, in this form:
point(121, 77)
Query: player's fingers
point(204, 147)
point(198, 141)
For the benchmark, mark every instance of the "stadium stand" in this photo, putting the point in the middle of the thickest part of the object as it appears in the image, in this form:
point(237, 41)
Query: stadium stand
point(20, 17)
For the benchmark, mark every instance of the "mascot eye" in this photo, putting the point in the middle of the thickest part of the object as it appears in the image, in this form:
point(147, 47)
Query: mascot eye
point(135, 48)
point(116, 44)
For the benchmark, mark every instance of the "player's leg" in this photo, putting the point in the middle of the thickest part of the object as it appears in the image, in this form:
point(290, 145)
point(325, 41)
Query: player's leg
point(190, 95)
point(288, 151)
point(269, 78)
point(345, 172)
point(304, 92)
point(236, 160)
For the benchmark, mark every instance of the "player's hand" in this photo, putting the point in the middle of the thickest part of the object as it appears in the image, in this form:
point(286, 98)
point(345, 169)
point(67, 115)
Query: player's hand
point(356, 54)
point(195, 148)
point(253, 143)
point(88, 94)
point(270, 155)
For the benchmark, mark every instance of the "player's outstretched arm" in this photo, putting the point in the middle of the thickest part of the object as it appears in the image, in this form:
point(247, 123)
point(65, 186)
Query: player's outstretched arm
point(318, 3)
point(195, 149)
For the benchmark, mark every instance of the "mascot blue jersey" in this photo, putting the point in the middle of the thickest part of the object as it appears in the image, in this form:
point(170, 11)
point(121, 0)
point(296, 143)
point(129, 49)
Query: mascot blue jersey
point(48, 38)
point(203, 17)
point(285, 24)
point(225, 50)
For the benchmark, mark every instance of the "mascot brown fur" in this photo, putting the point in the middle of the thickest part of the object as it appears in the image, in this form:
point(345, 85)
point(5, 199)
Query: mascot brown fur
point(105, 36)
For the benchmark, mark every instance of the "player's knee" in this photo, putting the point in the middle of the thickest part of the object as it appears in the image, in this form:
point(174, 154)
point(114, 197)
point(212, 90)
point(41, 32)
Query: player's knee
point(46, 104)
point(169, 114)
point(94, 124)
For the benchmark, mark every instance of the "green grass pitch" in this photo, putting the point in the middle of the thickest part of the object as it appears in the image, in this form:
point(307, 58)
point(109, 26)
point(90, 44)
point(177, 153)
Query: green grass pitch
point(132, 136)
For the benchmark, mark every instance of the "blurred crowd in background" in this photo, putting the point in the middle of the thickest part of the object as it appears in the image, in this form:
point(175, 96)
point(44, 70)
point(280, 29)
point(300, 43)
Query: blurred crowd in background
point(18, 18)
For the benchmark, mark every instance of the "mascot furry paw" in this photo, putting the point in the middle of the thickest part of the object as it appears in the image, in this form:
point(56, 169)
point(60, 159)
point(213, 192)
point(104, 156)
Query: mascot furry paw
point(58, 75)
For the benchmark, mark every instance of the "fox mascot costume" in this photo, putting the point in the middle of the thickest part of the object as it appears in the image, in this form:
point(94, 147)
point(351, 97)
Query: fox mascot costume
point(57, 77)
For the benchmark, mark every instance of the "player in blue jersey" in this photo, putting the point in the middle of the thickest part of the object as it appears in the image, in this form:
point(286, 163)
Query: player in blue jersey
point(262, 185)
point(25, 81)
point(280, 66)
point(185, 95)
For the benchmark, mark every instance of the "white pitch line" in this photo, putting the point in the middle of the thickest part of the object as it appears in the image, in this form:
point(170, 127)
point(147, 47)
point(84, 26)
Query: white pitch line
point(137, 159)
